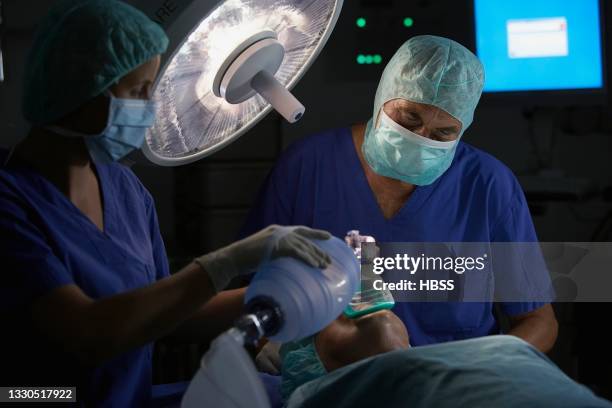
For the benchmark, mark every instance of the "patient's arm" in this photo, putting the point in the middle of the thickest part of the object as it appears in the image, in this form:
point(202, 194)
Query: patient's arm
point(346, 341)
point(538, 327)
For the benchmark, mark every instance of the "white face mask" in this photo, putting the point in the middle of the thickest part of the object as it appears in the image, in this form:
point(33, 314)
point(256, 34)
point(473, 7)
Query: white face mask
point(394, 151)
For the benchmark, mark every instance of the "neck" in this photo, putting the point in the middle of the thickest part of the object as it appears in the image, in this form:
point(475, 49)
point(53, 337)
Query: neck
point(62, 160)
point(389, 185)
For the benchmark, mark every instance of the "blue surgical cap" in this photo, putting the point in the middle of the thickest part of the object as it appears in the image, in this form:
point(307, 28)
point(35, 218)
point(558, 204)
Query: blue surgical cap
point(81, 48)
point(435, 71)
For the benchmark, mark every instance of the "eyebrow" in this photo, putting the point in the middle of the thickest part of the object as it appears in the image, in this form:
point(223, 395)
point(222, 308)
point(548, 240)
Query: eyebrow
point(404, 111)
point(450, 128)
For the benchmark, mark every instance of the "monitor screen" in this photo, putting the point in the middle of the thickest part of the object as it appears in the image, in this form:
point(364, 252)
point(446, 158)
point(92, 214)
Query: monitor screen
point(539, 45)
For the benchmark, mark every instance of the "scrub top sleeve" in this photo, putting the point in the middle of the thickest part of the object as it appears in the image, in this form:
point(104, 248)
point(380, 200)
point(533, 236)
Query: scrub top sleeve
point(516, 225)
point(160, 257)
point(30, 268)
point(272, 204)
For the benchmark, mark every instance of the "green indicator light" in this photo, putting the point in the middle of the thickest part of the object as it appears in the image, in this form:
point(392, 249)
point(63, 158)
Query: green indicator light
point(377, 59)
point(408, 22)
point(361, 59)
point(361, 22)
point(369, 59)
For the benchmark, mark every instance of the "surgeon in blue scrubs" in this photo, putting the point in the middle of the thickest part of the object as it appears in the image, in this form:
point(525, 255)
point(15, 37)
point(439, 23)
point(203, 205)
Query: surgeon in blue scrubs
point(84, 283)
point(406, 176)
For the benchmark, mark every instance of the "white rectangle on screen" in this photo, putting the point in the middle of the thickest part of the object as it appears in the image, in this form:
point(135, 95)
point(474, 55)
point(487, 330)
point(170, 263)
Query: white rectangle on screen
point(538, 38)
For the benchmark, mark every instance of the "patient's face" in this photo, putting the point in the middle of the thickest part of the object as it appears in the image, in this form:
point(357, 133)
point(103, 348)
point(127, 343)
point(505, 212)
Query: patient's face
point(343, 342)
point(346, 341)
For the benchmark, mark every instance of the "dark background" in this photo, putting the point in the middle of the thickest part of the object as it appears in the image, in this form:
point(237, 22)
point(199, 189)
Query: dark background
point(566, 146)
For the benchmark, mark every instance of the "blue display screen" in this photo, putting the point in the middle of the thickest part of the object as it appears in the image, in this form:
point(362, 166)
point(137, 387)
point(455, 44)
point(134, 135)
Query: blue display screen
point(531, 45)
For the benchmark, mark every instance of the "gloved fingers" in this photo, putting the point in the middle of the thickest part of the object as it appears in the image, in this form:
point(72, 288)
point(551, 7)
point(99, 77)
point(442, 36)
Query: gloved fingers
point(319, 253)
point(323, 259)
point(298, 249)
point(312, 233)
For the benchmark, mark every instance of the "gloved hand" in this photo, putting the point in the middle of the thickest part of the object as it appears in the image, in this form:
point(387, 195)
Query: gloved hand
point(275, 241)
point(268, 359)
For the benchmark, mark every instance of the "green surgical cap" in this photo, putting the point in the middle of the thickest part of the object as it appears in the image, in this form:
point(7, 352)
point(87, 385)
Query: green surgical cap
point(434, 71)
point(300, 364)
point(81, 48)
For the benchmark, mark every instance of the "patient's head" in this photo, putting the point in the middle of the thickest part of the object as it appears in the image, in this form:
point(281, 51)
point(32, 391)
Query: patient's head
point(343, 342)
point(348, 340)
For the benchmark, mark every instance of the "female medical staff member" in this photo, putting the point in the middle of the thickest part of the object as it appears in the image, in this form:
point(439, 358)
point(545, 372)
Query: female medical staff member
point(405, 176)
point(85, 287)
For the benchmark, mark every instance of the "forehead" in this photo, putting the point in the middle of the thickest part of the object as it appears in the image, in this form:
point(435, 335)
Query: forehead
point(422, 109)
point(145, 72)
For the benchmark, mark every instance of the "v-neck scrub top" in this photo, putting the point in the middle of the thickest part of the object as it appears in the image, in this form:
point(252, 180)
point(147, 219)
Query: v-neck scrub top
point(47, 242)
point(319, 182)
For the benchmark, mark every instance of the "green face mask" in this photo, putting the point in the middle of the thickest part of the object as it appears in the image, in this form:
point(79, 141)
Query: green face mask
point(394, 151)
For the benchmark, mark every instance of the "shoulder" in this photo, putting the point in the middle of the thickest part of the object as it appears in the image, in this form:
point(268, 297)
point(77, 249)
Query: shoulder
point(6, 175)
point(486, 171)
point(126, 182)
point(7, 180)
point(10, 193)
point(478, 162)
point(313, 153)
point(11, 181)
point(321, 143)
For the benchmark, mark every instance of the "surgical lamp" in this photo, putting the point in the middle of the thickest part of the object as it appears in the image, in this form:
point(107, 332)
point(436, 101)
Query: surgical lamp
point(228, 64)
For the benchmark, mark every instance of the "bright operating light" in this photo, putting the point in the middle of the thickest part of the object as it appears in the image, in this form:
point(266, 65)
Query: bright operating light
point(192, 121)
point(221, 36)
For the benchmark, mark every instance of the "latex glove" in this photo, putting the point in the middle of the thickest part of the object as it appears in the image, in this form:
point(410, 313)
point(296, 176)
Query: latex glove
point(242, 257)
point(268, 359)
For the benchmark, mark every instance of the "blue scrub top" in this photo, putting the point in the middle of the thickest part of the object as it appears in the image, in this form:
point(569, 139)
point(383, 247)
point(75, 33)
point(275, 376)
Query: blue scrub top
point(319, 182)
point(47, 242)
